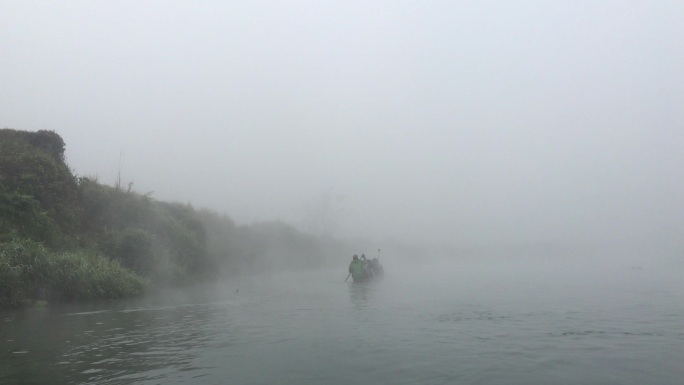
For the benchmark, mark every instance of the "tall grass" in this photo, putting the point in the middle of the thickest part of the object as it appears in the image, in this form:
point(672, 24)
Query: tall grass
point(29, 272)
point(64, 238)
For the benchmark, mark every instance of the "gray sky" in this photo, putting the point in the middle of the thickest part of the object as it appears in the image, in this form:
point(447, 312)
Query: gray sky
point(438, 121)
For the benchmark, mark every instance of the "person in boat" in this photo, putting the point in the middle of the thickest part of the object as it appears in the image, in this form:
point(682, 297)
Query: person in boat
point(375, 267)
point(357, 269)
point(368, 266)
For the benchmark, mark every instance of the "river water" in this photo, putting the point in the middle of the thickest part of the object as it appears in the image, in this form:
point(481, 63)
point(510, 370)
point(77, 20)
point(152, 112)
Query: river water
point(490, 322)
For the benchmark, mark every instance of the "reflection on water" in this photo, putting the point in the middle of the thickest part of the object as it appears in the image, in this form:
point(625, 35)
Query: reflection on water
point(362, 292)
point(99, 346)
point(311, 329)
point(358, 292)
point(144, 340)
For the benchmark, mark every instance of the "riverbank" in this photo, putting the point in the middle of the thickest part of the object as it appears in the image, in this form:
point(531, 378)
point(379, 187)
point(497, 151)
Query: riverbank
point(31, 274)
point(67, 238)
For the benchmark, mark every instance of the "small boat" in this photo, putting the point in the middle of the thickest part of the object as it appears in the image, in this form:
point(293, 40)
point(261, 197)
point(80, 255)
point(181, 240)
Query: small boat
point(375, 268)
point(366, 269)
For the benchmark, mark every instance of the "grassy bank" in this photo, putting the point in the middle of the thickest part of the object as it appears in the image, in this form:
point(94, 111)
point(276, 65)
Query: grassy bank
point(30, 272)
point(65, 237)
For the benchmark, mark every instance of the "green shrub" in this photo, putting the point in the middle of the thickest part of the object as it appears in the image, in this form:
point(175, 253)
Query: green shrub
point(68, 238)
point(38, 192)
point(132, 247)
point(29, 271)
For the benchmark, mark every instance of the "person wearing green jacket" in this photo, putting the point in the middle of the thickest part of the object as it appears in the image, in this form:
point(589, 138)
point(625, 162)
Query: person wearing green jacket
point(357, 269)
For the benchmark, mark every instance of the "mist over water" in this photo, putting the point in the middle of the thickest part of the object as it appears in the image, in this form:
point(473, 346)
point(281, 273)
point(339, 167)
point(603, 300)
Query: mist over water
point(469, 322)
point(519, 163)
point(451, 122)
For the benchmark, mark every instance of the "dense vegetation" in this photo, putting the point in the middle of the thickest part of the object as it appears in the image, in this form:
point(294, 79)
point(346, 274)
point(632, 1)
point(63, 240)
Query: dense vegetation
point(64, 237)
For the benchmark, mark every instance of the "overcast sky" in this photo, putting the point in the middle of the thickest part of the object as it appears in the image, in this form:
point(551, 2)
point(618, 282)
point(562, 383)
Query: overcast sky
point(438, 121)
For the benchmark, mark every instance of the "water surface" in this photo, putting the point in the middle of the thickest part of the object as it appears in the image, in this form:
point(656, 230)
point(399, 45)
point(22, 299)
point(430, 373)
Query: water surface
point(462, 323)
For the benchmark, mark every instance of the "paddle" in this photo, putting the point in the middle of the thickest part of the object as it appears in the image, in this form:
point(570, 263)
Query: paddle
point(345, 280)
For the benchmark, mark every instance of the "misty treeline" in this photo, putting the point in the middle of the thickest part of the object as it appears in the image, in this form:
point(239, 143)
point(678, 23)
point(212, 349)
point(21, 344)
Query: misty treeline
point(64, 237)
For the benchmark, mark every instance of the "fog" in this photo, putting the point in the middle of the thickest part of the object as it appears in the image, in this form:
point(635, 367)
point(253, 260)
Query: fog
point(462, 124)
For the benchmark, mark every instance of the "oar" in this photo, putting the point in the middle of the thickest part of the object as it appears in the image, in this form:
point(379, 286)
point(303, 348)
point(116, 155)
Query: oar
point(345, 280)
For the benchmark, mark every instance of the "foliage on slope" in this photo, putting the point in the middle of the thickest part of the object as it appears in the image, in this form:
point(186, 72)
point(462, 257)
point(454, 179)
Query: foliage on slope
point(38, 196)
point(69, 238)
point(29, 271)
